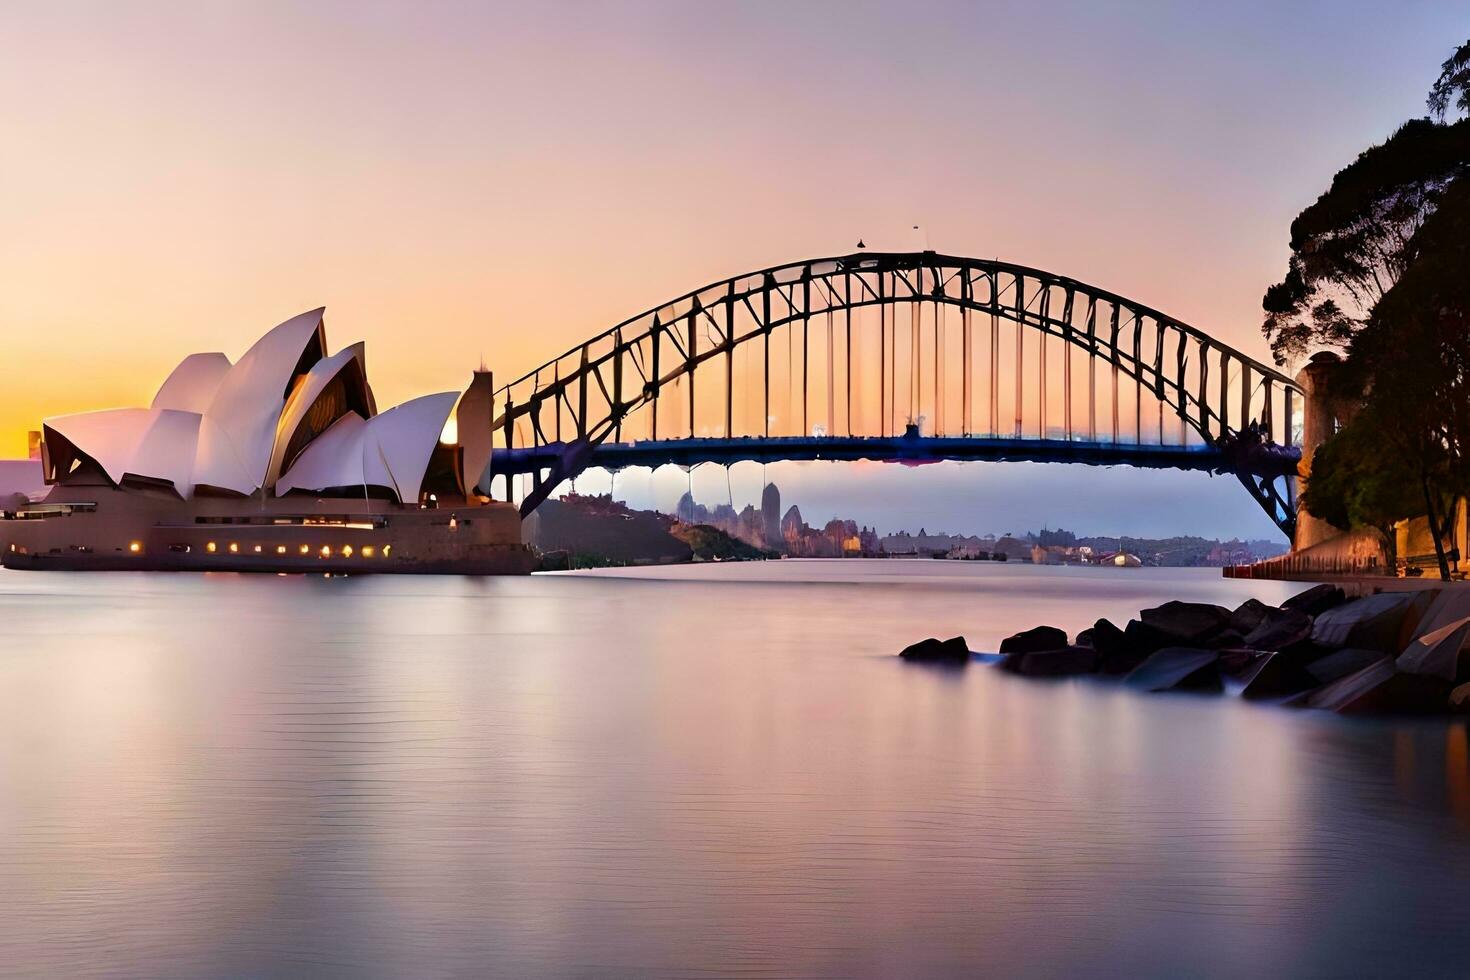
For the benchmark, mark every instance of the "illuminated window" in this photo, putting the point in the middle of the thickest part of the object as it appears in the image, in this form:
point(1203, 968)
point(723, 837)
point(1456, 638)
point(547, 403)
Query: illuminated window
point(306, 549)
point(347, 551)
point(135, 547)
point(234, 548)
point(367, 551)
point(210, 547)
point(257, 549)
point(387, 550)
point(453, 524)
point(280, 549)
point(326, 551)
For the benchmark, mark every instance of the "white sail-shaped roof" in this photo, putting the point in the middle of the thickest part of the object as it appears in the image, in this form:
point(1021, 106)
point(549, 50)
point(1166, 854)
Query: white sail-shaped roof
point(390, 450)
point(217, 464)
point(153, 443)
point(349, 365)
point(192, 385)
point(405, 437)
point(167, 449)
point(109, 437)
point(247, 405)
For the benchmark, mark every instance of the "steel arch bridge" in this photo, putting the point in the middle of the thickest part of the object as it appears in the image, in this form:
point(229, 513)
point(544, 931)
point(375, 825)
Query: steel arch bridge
point(909, 356)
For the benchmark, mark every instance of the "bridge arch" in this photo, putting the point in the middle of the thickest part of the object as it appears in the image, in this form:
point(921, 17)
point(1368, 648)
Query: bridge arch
point(1231, 413)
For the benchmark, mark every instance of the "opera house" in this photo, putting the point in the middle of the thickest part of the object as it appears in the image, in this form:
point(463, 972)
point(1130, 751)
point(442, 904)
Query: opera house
point(277, 462)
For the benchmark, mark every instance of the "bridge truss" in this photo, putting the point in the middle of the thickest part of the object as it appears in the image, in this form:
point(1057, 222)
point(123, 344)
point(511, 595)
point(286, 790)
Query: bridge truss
point(912, 355)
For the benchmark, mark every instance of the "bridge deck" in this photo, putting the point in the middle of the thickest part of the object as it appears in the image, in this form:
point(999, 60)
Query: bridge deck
point(902, 449)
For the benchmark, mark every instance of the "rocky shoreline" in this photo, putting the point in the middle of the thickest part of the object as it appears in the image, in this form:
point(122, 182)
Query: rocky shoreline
point(1386, 653)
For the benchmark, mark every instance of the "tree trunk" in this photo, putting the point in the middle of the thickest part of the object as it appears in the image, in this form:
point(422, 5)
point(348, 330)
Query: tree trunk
point(1434, 530)
point(1390, 547)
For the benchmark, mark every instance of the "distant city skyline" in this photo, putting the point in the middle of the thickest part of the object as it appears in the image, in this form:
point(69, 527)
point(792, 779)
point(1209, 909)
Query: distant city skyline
point(458, 183)
point(962, 498)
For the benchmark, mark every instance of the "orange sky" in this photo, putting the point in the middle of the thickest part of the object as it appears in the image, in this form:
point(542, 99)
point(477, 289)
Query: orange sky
point(453, 181)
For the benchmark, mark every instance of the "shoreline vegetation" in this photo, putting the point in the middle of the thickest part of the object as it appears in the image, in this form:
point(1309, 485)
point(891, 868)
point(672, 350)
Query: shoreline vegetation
point(1389, 653)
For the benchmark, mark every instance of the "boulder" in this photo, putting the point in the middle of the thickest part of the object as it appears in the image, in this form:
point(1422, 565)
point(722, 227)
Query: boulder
point(1439, 654)
point(1240, 661)
point(1451, 605)
point(1052, 663)
point(1119, 651)
point(1226, 639)
point(1340, 663)
point(1279, 628)
point(1384, 621)
point(1186, 622)
point(1033, 640)
point(1277, 675)
point(1177, 669)
point(1305, 651)
point(1316, 600)
point(1103, 637)
point(952, 651)
point(1248, 615)
point(1380, 689)
point(1140, 637)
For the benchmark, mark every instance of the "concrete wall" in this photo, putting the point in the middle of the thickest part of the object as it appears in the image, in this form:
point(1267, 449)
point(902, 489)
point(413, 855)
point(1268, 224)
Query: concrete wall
point(1319, 422)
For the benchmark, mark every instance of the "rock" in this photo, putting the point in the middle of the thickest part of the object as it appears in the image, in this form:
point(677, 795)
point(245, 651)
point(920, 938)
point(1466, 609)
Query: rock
point(1114, 647)
point(1451, 605)
point(1305, 651)
point(1276, 675)
point(1279, 628)
point(1316, 600)
point(1139, 637)
point(953, 650)
point(1186, 622)
point(1380, 689)
point(1377, 622)
point(1342, 663)
point(1460, 700)
point(1240, 661)
point(1438, 654)
point(1248, 615)
point(1119, 651)
point(1177, 669)
point(1103, 637)
point(1033, 640)
point(1052, 663)
point(1226, 639)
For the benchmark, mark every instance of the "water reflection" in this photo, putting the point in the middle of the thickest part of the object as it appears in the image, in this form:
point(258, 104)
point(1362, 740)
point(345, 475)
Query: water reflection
point(677, 771)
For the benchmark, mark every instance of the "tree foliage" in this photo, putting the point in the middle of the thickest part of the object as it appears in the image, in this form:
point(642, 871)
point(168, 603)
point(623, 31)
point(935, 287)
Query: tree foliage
point(1453, 85)
point(1349, 247)
point(1351, 487)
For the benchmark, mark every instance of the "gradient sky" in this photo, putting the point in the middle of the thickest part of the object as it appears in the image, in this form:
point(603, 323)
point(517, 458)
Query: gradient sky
point(463, 180)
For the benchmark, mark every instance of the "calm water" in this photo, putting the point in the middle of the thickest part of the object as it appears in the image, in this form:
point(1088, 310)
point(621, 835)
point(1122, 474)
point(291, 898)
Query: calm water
point(699, 771)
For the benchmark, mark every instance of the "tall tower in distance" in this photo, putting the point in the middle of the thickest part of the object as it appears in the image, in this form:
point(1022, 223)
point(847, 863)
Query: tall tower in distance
point(771, 515)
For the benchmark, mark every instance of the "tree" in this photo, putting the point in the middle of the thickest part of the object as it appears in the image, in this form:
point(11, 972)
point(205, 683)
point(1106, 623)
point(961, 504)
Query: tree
point(1412, 362)
point(1453, 84)
point(1391, 240)
point(1348, 248)
point(1353, 486)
